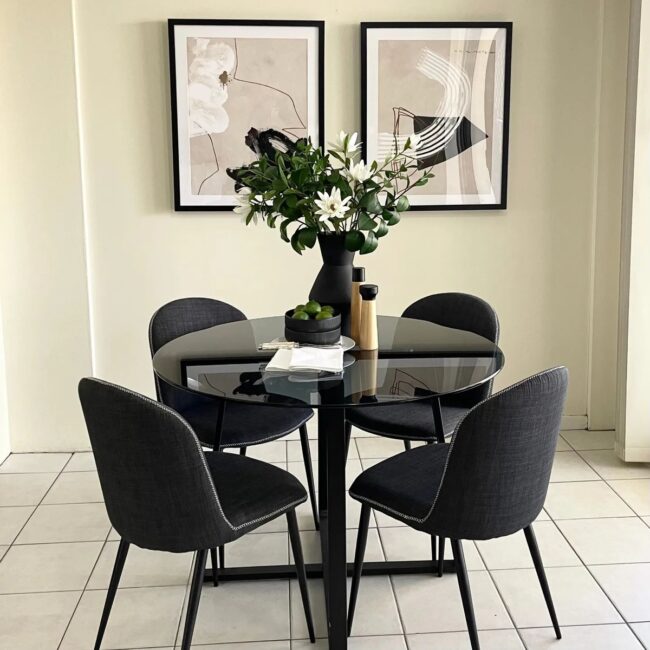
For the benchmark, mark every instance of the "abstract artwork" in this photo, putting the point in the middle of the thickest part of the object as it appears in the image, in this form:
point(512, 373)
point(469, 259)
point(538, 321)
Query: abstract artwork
point(229, 80)
point(446, 86)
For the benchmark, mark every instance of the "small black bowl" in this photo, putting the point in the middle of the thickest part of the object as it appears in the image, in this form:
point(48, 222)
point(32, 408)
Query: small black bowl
point(313, 332)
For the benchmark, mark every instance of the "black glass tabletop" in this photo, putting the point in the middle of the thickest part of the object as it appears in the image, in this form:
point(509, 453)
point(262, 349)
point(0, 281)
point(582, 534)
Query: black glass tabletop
point(415, 360)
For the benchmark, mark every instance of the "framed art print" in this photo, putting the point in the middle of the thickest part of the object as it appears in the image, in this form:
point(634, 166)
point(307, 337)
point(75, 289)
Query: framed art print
point(231, 76)
point(447, 87)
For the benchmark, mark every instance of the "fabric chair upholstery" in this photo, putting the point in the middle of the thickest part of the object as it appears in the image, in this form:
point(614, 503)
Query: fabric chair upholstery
point(491, 480)
point(160, 491)
point(414, 420)
point(244, 424)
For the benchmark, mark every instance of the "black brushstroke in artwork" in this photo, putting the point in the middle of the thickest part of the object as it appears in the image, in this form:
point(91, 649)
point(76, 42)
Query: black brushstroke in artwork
point(268, 143)
point(465, 136)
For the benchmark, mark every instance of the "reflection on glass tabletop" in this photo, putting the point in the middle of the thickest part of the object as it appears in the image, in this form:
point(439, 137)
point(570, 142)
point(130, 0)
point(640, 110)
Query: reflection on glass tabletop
point(415, 360)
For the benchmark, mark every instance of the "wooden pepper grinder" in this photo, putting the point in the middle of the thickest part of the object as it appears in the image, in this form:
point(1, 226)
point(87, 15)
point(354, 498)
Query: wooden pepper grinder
point(368, 329)
point(358, 278)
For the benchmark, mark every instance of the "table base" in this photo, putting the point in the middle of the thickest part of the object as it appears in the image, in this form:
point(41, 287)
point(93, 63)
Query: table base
point(283, 571)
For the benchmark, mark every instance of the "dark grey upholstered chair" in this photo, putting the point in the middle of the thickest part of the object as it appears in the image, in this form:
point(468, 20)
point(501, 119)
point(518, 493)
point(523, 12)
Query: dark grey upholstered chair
point(489, 481)
point(163, 493)
point(243, 425)
point(415, 420)
point(433, 420)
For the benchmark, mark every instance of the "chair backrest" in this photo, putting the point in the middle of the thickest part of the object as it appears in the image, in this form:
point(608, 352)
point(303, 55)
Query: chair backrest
point(158, 490)
point(178, 318)
point(460, 311)
point(500, 460)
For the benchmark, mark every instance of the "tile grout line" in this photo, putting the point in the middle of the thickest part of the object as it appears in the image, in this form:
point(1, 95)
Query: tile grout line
point(622, 498)
point(83, 591)
point(185, 599)
point(36, 507)
point(501, 597)
point(593, 577)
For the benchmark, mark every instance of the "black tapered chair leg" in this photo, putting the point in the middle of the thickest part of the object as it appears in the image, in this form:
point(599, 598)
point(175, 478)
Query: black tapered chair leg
point(465, 593)
point(407, 445)
point(348, 437)
point(541, 575)
point(242, 451)
point(434, 556)
point(120, 559)
point(215, 567)
point(441, 556)
point(299, 561)
point(362, 538)
point(309, 470)
point(194, 598)
point(222, 557)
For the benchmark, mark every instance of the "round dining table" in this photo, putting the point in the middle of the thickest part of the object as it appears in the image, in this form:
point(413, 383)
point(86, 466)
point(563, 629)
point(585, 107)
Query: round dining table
point(415, 360)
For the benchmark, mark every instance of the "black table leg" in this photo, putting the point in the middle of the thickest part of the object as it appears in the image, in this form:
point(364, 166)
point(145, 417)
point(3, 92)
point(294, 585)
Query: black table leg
point(331, 435)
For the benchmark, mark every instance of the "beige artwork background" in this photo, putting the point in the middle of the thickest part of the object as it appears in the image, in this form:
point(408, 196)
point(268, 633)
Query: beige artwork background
point(269, 74)
point(401, 84)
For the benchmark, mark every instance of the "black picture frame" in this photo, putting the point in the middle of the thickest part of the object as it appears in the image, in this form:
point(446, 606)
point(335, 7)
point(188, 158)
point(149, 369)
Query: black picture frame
point(366, 27)
point(172, 24)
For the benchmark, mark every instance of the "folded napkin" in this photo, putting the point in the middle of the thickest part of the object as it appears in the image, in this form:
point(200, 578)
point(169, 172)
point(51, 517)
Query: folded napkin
point(306, 358)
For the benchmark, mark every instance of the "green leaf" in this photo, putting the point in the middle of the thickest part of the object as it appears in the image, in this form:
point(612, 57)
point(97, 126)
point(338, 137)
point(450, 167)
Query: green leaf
point(307, 237)
point(382, 228)
point(370, 203)
point(295, 243)
point(366, 222)
point(283, 230)
point(402, 204)
point(370, 244)
point(354, 240)
point(394, 218)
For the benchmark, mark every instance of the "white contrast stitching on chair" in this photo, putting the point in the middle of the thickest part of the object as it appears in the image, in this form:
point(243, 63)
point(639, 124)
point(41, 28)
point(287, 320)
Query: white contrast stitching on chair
point(451, 446)
point(202, 456)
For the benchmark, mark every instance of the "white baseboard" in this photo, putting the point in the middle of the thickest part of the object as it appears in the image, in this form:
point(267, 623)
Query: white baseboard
point(633, 454)
point(572, 422)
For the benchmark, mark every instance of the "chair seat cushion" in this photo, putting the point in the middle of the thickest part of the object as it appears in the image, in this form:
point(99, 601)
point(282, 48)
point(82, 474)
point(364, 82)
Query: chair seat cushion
point(411, 421)
point(250, 491)
point(404, 486)
point(244, 424)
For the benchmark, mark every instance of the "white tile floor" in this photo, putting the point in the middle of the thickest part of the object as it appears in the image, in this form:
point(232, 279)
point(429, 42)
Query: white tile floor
point(57, 550)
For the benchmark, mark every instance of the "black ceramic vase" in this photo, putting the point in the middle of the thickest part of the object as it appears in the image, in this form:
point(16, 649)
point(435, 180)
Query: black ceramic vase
point(333, 285)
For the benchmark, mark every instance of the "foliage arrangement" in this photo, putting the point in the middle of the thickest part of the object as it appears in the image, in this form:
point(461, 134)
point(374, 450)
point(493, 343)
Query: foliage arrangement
point(305, 191)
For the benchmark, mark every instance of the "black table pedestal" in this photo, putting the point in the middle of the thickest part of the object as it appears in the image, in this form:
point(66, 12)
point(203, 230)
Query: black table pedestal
point(335, 569)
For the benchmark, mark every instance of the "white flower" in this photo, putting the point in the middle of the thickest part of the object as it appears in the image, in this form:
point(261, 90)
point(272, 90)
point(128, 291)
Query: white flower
point(345, 144)
point(331, 205)
point(359, 172)
point(243, 205)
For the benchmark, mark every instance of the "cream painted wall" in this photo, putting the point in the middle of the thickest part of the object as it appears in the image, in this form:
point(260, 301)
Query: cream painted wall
point(535, 262)
point(42, 269)
point(5, 442)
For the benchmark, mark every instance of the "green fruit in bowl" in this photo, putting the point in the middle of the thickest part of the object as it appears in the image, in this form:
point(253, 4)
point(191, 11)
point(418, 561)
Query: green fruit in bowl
point(328, 308)
point(300, 315)
point(322, 315)
point(312, 308)
point(299, 308)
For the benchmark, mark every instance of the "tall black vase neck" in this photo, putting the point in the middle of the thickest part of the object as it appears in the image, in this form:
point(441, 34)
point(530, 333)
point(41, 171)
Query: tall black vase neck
point(333, 251)
point(333, 285)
